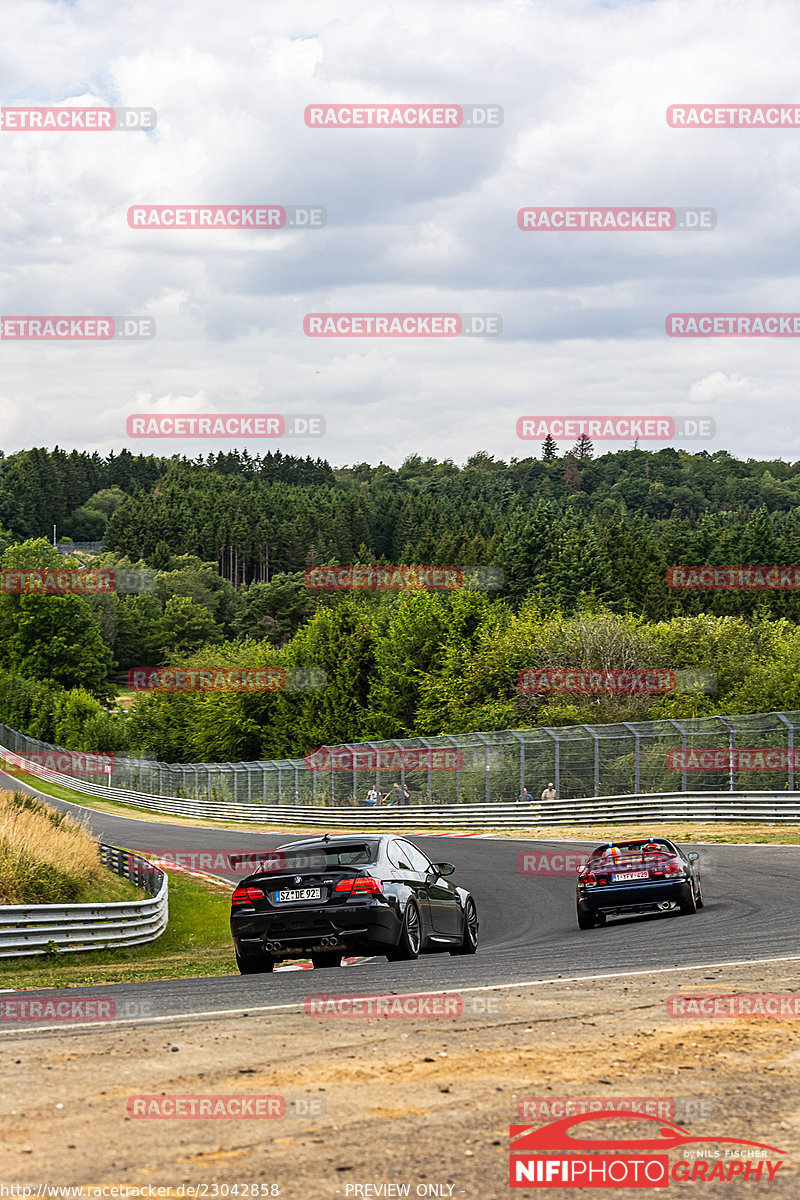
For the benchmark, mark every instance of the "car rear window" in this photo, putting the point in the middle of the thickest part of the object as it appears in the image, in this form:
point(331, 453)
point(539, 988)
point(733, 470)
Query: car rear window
point(323, 857)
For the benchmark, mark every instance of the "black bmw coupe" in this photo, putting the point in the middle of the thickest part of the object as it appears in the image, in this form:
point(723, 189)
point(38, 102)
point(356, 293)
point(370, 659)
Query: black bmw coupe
point(333, 896)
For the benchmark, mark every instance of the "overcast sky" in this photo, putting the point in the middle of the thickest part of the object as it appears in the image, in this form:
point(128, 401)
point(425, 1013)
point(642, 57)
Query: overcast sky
point(417, 220)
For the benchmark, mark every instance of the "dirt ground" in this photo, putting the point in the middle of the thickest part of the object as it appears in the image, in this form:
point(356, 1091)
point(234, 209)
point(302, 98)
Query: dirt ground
point(424, 1102)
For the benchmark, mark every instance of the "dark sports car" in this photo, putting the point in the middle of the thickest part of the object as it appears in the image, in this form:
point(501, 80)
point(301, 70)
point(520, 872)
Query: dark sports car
point(648, 875)
point(328, 897)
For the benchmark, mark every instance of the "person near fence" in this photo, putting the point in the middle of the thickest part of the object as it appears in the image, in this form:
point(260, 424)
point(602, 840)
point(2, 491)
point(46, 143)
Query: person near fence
point(549, 792)
point(372, 797)
point(401, 795)
point(524, 797)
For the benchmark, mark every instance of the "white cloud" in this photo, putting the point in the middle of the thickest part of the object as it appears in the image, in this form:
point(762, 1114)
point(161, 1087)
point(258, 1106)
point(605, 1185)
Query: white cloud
point(417, 220)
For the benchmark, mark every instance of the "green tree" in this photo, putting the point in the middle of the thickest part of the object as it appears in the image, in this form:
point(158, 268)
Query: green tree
point(185, 626)
point(273, 610)
point(50, 637)
point(549, 449)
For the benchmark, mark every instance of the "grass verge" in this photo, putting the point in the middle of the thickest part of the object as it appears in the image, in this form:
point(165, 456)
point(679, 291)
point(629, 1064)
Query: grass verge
point(49, 857)
point(196, 943)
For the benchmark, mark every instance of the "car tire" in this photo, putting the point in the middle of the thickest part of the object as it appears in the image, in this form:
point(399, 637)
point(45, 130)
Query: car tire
point(254, 964)
point(469, 941)
point(332, 958)
point(410, 940)
point(688, 906)
point(586, 918)
point(699, 900)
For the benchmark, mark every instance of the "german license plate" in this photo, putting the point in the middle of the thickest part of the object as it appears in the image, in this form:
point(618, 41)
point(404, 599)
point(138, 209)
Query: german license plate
point(298, 894)
point(629, 875)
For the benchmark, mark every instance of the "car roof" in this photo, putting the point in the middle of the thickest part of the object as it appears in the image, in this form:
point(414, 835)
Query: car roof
point(338, 839)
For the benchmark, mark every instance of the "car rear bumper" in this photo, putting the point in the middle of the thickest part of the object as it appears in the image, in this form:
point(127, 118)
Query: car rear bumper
point(642, 898)
point(296, 932)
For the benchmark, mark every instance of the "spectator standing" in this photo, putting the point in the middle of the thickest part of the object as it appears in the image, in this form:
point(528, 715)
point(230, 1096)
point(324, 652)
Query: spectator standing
point(549, 792)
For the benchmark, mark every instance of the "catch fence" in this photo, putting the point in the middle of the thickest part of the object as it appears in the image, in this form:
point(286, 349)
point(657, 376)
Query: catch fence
point(716, 754)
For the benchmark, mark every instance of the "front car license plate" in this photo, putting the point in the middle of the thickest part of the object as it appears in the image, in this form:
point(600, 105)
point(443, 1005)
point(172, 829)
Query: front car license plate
point(629, 875)
point(298, 894)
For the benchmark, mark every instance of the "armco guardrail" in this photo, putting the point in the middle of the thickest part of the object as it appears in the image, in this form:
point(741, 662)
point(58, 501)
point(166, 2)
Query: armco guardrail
point(34, 928)
point(771, 807)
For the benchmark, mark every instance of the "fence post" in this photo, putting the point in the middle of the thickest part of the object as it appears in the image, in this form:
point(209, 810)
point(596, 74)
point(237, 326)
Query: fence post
point(521, 744)
point(488, 766)
point(596, 737)
point(557, 771)
point(731, 748)
point(637, 775)
point(682, 732)
point(790, 746)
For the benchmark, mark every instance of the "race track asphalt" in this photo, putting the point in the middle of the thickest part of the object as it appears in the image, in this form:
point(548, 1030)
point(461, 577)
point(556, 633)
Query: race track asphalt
point(528, 929)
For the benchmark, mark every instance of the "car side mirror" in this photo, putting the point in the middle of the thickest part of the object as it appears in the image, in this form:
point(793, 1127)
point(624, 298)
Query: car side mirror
point(693, 857)
point(444, 868)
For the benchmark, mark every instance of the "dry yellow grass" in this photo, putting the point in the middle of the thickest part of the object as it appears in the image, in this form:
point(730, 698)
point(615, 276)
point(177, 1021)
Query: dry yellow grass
point(46, 856)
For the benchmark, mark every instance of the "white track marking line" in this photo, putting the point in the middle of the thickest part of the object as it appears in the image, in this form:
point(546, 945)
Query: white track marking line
point(490, 987)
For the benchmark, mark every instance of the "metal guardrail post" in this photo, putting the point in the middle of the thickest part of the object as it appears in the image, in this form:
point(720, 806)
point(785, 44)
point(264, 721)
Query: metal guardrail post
point(682, 732)
point(557, 771)
point(454, 742)
point(521, 744)
point(731, 748)
point(596, 736)
point(790, 747)
point(488, 766)
point(637, 758)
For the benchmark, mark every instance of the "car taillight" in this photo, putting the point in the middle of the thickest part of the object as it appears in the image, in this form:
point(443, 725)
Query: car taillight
point(673, 868)
point(587, 878)
point(361, 885)
point(246, 895)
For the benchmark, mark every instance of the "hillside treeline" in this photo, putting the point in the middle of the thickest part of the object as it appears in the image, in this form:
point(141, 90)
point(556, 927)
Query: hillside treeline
point(584, 546)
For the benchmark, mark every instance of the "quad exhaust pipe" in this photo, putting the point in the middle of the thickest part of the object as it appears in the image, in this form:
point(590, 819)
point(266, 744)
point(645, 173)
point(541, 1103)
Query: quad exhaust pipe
point(276, 947)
